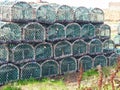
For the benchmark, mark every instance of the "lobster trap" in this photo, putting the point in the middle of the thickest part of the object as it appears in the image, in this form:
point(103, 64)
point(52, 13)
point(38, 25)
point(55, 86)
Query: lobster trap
point(113, 59)
point(62, 49)
point(72, 31)
point(105, 32)
point(16, 11)
point(86, 62)
point(100, 60)
point(8, 73)
point(23, 53)
point(43, 51)
point(88, 31)
point(108, 46)
point(44, 12)
point(55, 32)
point(4, 54)
point(30, 70)
point(65, 13)
point(95, 47)
point(82, 14)
point(79, 47)
point(9, 32)
point(33, 32)
point(50, 68)
point(68, 64)
point(96, 15)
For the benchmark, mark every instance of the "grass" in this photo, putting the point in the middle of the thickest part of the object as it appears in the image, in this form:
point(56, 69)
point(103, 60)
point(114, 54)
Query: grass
point(89, 79)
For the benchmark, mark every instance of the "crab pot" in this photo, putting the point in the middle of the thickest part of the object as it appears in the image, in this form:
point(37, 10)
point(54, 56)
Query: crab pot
point(108, 46)
point(117, 50)
point(105, 32)
point(95, 47)
point(72, 31)
point(23, 53)
point(16, 11)
point(100, 60)
point(97, 15)
point(4, 54)
point(117, 40)
point(43, 51)
point(8, 73)
point(44, 12)
point(86, 62)
point(113, 59)
point(68, 65)
point(65, 14)
point(55, 32)
point(9, 32)
point(31, 70)
point(33, 32)
point(62, 49)
point(79, 47)
point(50, 68)
point(88, 31)
point(82, 14)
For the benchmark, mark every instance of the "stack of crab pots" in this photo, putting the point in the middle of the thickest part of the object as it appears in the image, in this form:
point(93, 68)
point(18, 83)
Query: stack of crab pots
point(47, 39)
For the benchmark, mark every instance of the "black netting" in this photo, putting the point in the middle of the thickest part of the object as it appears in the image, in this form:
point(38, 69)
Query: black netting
point(113, 59)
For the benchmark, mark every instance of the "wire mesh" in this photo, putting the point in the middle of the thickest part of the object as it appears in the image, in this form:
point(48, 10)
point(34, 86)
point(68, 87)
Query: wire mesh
point(95, 47)
point(97, 15)
point(88, 31)
point(16, 11)
point(34, 32)
point(23, 53)
point(55, 32)
point(100, 60)
point(82, 14)
point(4, 53)
point(43, 51)
point(65, 13)
point(79, 47)
point(50, 68)
point(31, 70)
point(113, 59)
point(8, 73)
point(45, 13)
point(68, 65)
point(62, 49)
point(9, 32)
point(105, 31)
point(86, 62)
point(117, 39)
point(72, 31)
point(108, 46)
